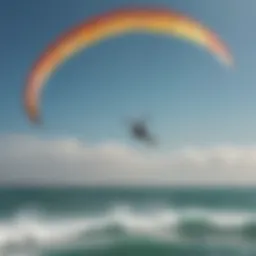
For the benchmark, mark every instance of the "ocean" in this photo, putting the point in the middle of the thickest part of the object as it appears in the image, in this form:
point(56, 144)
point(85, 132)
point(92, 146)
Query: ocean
point(127, 221)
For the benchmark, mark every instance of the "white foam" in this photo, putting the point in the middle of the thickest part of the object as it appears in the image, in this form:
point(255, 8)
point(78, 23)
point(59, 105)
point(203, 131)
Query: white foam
point(31, 231)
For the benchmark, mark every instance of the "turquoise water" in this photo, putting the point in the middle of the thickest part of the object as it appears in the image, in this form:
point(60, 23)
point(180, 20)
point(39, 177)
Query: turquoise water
point(109, 222)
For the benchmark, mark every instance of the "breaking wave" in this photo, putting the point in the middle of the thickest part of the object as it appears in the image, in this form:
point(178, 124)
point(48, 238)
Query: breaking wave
point(31, 232)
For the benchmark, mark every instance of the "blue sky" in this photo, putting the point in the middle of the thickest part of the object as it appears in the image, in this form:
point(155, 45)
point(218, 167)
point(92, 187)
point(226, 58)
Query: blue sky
point(190, 97)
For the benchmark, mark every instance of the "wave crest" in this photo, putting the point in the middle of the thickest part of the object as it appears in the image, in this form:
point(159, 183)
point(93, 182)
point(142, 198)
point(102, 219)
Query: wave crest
point(31, 231)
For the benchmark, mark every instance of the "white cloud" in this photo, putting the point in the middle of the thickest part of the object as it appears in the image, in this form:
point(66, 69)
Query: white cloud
point(29, 160)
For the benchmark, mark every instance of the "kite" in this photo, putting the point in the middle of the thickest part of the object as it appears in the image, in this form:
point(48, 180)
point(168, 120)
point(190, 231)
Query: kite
point(118, 22)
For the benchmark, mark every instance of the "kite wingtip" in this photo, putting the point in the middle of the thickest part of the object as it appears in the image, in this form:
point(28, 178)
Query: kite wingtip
point(228, 62)
point(231, 64)
point(36, 120)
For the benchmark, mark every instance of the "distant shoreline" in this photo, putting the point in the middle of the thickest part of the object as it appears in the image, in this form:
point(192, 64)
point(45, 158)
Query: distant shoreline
point(126, 187)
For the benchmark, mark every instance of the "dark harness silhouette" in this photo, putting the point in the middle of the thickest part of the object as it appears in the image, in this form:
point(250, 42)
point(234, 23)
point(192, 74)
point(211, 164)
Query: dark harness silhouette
point(141, 132)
